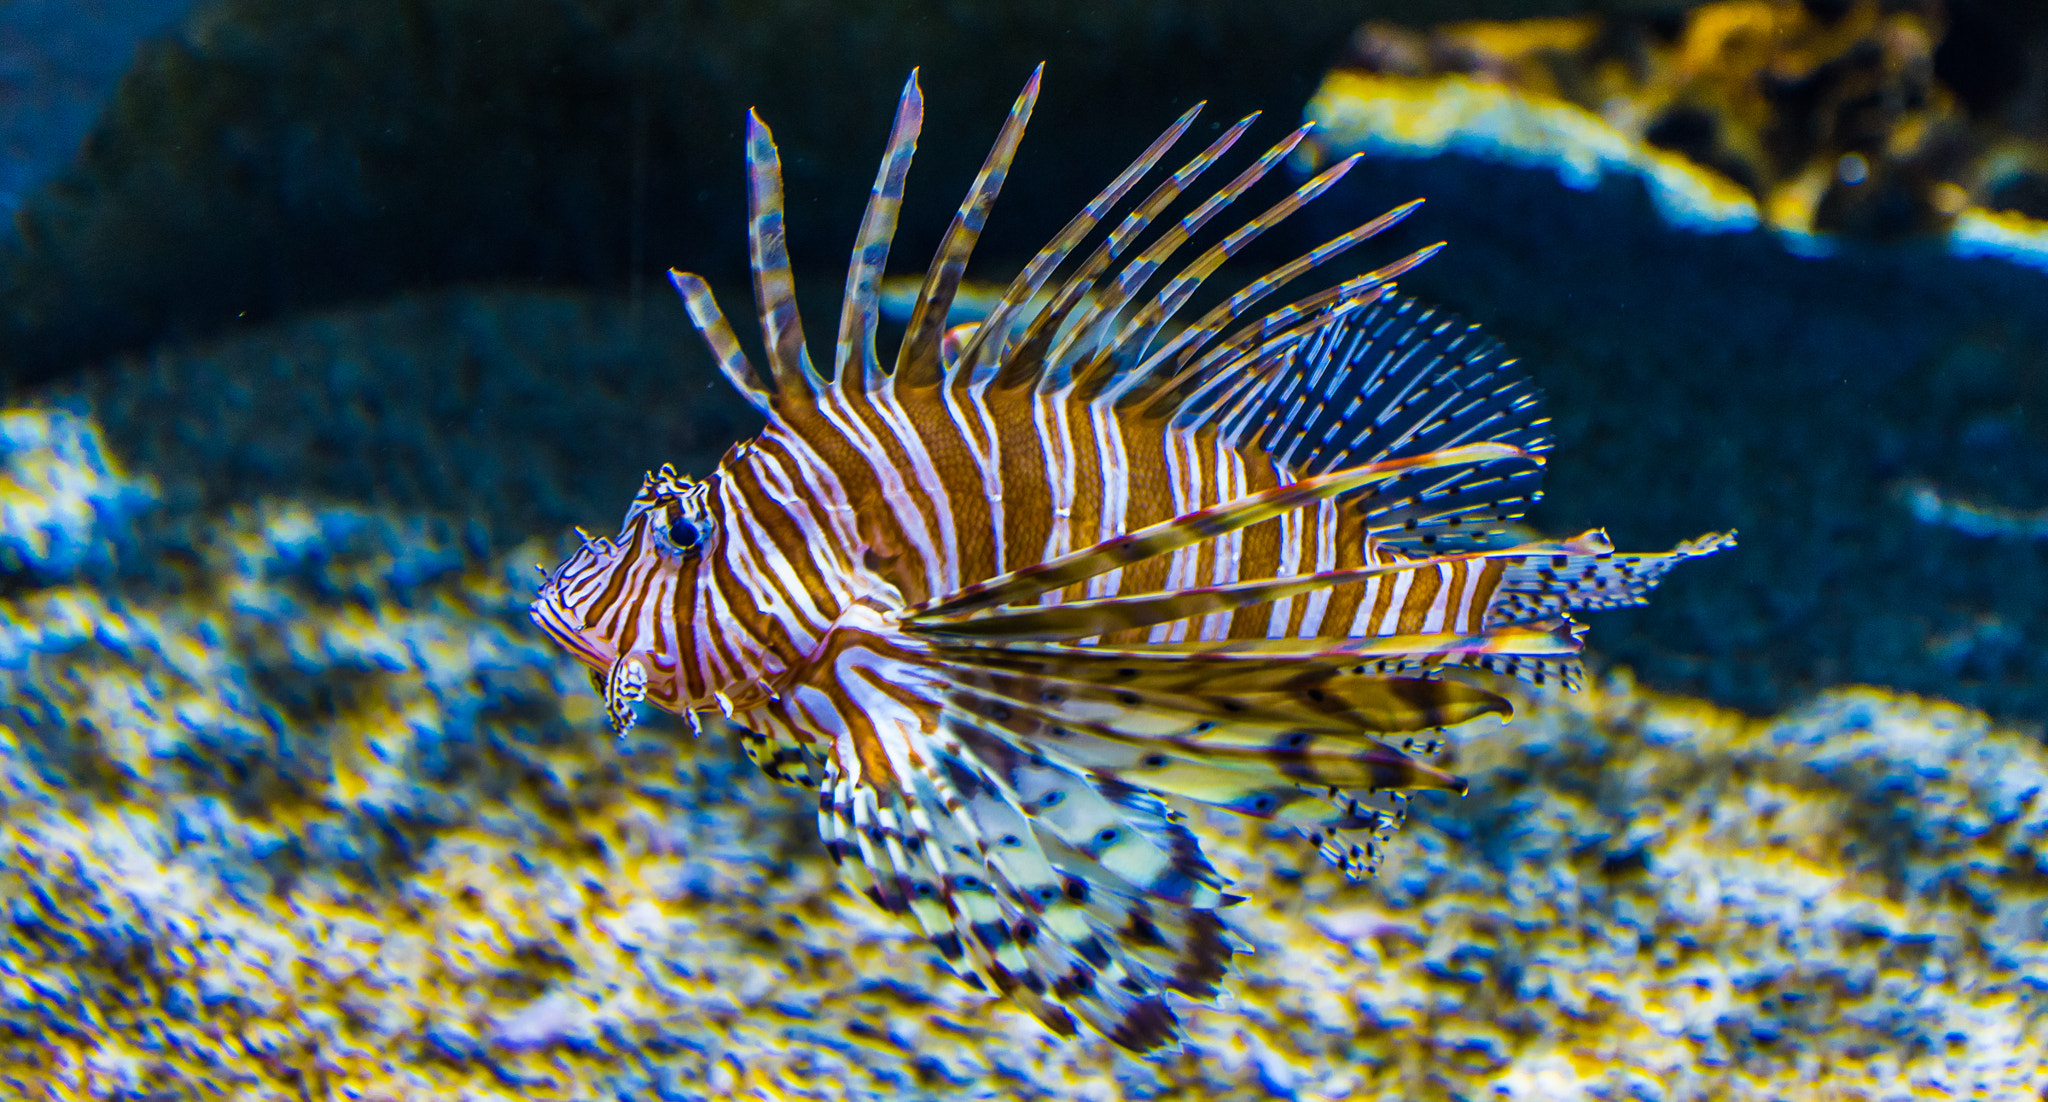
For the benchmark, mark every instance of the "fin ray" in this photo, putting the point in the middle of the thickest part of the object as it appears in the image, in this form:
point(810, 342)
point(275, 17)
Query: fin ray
point(1190, 341)
point(917, 361)
point(782, 328)
point(1025, 358)
point(858, 313)
point(717, 333)
point(1109, 615)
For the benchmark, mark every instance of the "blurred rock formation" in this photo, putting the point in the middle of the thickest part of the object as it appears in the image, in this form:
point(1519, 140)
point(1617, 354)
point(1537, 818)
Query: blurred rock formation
point(1875, 119)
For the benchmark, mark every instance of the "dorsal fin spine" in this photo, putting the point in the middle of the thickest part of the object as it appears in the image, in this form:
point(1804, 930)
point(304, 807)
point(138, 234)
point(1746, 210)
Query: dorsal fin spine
point(1108, 356)
point(1136, 336)
point(1035, 274)
point(871, 247)
point(1190, 342)
point(782, 329)
point(717, 333)
point(917, 361)
point(1114, 245)
point(1229, 355)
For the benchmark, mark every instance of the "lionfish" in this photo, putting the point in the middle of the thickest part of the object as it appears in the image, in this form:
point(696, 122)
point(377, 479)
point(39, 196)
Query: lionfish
point(1000, 602)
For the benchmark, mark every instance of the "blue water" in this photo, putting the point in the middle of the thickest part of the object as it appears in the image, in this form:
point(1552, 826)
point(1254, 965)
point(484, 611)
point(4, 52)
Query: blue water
point(59, 61)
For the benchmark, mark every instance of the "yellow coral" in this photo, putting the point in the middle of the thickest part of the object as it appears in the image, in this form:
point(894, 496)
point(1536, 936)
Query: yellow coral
point(1831, 122)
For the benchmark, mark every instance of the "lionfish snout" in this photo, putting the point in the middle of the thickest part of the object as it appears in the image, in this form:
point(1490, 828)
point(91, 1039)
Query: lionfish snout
point(570, 593)
point(557, 621)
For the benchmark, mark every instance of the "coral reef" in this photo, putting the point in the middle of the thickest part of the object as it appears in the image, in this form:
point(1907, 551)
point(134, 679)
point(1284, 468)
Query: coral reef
point(64, 504)
point(1834, 118)
point(310, 811)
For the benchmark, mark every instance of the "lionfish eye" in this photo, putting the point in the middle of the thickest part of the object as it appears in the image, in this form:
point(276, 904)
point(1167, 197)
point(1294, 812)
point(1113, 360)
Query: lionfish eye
point(684, 534)
point(678, 510)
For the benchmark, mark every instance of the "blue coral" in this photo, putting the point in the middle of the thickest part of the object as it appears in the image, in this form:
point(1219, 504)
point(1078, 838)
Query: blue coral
point(65, 506)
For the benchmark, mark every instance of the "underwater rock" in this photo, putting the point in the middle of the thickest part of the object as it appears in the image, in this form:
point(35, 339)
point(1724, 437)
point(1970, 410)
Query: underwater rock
point(1832, 119)
point(519, 411)
point(65, 504)
point(1404, 116)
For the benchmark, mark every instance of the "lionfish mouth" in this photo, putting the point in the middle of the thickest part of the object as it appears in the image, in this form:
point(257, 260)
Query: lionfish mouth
point(554, 620)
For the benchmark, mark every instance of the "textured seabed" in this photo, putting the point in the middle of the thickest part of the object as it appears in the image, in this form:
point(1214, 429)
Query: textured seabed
point(297, 805)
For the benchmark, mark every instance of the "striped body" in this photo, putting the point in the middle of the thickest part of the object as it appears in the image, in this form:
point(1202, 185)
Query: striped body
point(999, 602)
point(820, 514)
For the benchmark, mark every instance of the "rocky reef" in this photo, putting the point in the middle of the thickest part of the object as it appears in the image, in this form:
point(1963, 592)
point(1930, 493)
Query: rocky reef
point(296, 804)
point(1869, 119)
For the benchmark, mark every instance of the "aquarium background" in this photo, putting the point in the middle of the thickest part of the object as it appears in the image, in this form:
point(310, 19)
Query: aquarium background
point(321, 322)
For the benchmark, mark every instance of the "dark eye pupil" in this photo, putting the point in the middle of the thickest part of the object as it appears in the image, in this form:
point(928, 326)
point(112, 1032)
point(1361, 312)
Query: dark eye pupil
point(683, 534)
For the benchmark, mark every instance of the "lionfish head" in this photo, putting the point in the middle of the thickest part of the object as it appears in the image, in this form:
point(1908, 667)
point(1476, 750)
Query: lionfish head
point(605, 602)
